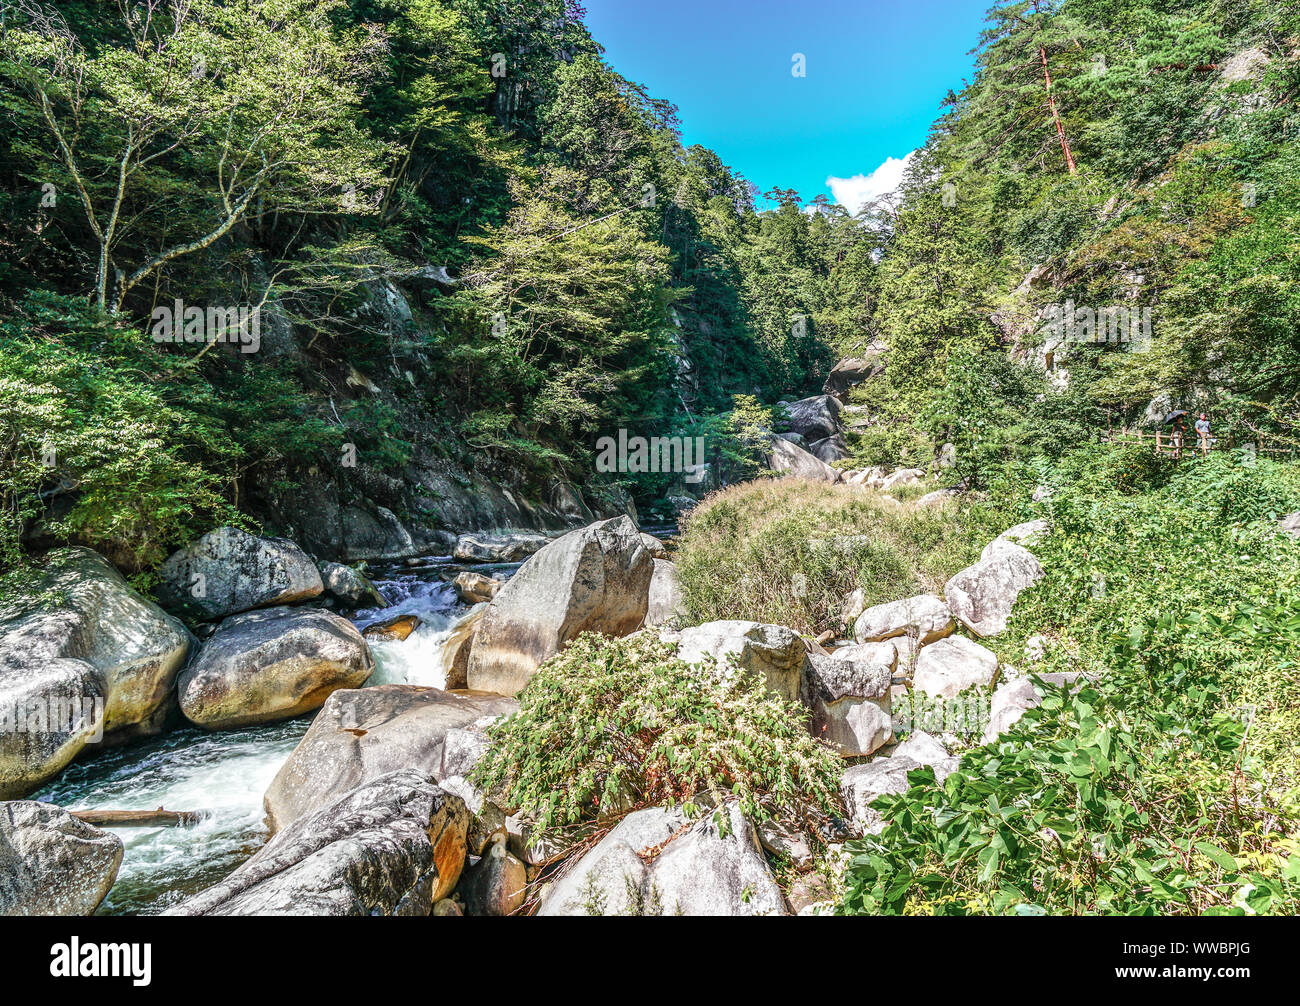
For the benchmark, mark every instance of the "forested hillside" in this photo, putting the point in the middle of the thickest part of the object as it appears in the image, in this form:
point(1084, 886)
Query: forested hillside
point(476, 248)
point(1107, 154)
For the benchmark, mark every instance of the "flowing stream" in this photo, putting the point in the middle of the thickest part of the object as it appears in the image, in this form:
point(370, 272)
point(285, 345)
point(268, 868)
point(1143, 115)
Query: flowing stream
point(224, 773)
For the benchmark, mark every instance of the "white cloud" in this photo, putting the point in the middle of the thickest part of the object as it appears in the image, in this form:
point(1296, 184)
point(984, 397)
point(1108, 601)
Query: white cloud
point(854, 193)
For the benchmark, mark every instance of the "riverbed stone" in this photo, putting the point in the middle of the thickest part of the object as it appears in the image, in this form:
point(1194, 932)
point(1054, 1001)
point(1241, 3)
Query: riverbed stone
point(394, 845)
point(362, 734)
point(512, 547)
point(700, 869)
point(345, 584)
point(774, 654)
point(925, 616)
point(947, 668)
point(51, 863)
point(229, 570)
point(849, 701)
point(497, 884)
point(594, 579)
point(475, 588)
point(270, 665)
point(982, 596)
point(97, 662)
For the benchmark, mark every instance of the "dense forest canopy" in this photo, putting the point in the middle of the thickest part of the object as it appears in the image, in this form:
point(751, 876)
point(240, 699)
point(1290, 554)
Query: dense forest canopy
point(469, 237)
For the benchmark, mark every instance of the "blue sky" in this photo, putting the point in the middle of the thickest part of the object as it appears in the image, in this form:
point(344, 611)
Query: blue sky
point(876, 72)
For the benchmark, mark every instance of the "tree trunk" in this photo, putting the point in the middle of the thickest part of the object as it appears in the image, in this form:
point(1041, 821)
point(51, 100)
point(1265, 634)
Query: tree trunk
point(1056, 115)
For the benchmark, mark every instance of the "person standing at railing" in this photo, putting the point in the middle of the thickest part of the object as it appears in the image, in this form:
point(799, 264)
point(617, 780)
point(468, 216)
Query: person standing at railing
point(1180, 434)
point(1203, 434)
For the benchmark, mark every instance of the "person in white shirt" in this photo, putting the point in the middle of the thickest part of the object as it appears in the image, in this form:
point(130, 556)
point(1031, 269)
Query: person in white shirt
point(1203, 434)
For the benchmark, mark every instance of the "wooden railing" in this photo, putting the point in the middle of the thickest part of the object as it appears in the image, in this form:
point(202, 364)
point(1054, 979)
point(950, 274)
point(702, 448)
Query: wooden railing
point(1164, 442)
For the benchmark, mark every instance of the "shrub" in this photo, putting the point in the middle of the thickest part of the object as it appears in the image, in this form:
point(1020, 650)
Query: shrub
point(788, 551)
point(610, 726)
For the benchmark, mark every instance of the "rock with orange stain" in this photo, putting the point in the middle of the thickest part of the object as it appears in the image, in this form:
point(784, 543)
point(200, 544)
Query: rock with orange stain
point(392, 846)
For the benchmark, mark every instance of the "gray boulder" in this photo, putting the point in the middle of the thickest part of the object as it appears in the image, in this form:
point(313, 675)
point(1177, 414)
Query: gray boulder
point(270, 665)
point(982, 596)
point(228, 571)
point(849, 373)
point(702, 870)
point(665, 601)
point(791, 459)
point(1290, 525)
point(656, 548)
point(595, 579)
point(497, 884)
point(850, 702)
point(51, 863)
point(771, 653)
point(1013, 699)
point(99, 663)
point(925, 617)
point(375, 534)
point(362, 734)
point(830, 449)
point(498, 547)
point(815, 418)
point(393, 846)
point(947, 668)
point(346, 585)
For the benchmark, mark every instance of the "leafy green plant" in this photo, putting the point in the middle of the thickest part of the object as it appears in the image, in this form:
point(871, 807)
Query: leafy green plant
point(609, 726)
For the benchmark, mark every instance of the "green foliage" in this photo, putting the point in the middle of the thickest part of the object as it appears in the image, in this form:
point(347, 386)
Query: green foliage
point(1167, 781)
point(610, 726)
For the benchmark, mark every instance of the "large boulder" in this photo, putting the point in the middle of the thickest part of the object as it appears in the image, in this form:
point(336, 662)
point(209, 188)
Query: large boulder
point(228, 571)
point(850, 701)
point(852, 371)
point(97, 663)
point(771, 653)
point(346, 585)
point(925, 616)
point(375, 533)
point(815, 418)
point(983, 595)
point(1031, 532)
point(861, 784)
point(665, 601)
point(595, 579)
point(830, 449)
point(51, 863)
point(362, 734)
point(794, 460)
point(498, 547)
point(271, 665)
point(949, 667)
point(393, 846)
point(700, 869)
point(1013, 699)
point(1290, 525)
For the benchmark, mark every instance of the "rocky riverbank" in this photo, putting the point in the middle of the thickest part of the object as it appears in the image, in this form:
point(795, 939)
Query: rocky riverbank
point(375, 804)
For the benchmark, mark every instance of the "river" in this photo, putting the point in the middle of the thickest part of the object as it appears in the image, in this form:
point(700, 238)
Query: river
point(224, 773)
